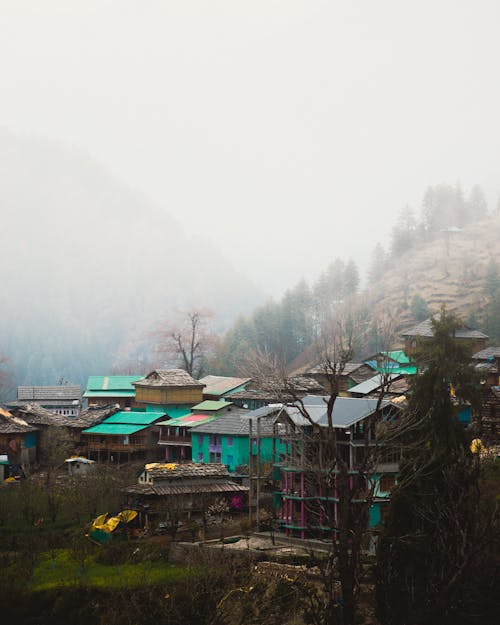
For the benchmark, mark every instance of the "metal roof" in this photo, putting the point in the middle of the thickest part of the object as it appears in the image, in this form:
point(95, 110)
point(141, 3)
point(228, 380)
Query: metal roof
point(236, 423)
point(114, 428)
point(212, 405)
point(346, 411)
point(110, 394)
point(108, 383)
point(374, 383)
point(189, 420)
point(488, 353)
point(134, 418)
point(220, 385)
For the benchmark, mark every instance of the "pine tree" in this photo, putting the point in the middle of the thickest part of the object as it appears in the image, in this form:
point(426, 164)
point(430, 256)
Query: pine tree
point(431, 547)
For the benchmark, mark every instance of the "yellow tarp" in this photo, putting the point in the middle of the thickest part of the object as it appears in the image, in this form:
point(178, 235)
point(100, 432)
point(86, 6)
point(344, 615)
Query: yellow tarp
point(169, 466)
point(477, 446)
point(109, 525)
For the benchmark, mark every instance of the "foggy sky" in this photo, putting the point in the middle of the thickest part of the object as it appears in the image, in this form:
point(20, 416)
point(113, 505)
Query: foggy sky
point(286, 132)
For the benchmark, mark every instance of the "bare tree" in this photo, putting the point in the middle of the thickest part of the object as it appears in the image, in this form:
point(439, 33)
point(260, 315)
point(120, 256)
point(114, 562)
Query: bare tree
point(187, 341)
point(338, 481)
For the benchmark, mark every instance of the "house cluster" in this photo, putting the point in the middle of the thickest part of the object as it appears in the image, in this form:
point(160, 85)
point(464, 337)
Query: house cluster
point(228, 439)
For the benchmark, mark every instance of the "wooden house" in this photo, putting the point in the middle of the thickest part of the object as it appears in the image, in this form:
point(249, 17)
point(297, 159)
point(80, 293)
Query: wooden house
point(218, 386)
point(179, 493)
point(352, 374)
point(306, 497)
point(63, 399)
point(487, 363)
point(103, 390)
point(257, 396)
point(168, 388)
point(175, 435)
point(227, 440)
point(486, 419)
point(44, 419)
point(475, 339)
point(18, 442)
point(124, 436)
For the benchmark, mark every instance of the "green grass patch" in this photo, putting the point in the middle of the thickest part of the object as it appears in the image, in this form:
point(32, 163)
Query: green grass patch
point(60, 570)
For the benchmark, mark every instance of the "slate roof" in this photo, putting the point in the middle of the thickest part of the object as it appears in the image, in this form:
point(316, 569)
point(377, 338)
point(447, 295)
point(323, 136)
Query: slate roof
point(236, 423)
point(169, 378)
point(96, 414)
point(173, 471)
point(488, 353)
point(220, 385)
point(36, 415)
point(63, 393)
point(13, 425)
point(349, 368)
point(346, 412)
point(424, 329)
point(221, 486)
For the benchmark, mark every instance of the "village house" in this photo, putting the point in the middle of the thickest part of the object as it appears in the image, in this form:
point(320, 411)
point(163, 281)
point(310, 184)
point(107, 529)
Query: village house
point(306, 499)
point(44, 419)
point(103, 390)
point(352, 374)
point(63, 399)
point(124, 436)
point(227, 439)
point(79, 466)
point(177, 494)
point(172, 390)
point(18, 444)
point(257, 396)
point(175, 435)
point(424, 330)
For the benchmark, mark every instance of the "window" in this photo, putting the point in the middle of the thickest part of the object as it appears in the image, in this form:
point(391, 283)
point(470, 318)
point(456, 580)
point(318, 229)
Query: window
point(230, 459)
point(229, 441)
point(200, 456)
point(200, 439)
point(215, 456)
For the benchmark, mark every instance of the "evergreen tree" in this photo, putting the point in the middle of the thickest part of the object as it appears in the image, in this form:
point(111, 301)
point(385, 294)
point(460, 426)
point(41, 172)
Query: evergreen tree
point(419, 308)
point(378, 263)
point(351, 278)
point(403, 235)
point(431, 547)
point(477, 205)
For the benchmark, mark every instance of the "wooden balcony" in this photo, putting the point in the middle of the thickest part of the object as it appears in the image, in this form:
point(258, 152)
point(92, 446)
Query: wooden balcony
point(171, 439)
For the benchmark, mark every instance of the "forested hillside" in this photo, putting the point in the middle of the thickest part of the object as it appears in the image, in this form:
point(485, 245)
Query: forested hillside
point(447, 252)
point(89, 265)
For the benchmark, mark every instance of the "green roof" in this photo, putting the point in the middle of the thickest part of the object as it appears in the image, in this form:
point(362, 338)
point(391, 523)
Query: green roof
point(109, 394)
point(399, 356)
point(134, 418)
point(110, 384)
point(114, 428)
point(211, 405)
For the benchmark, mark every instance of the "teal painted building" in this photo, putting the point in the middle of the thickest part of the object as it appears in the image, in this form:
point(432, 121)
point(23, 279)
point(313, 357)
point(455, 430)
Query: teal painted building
point(226, 440)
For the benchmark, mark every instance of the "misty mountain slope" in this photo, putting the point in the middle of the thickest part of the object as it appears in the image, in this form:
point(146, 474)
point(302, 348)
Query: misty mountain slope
point(443, 272)
point(88, 265)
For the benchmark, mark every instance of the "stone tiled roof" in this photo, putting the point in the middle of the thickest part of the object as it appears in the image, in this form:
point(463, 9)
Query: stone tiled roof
point(488, 353)
point(186, 488)
point(173, 471)
point(425, 329)
point(10, 424)
point(169, 377)
point(66, 393)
